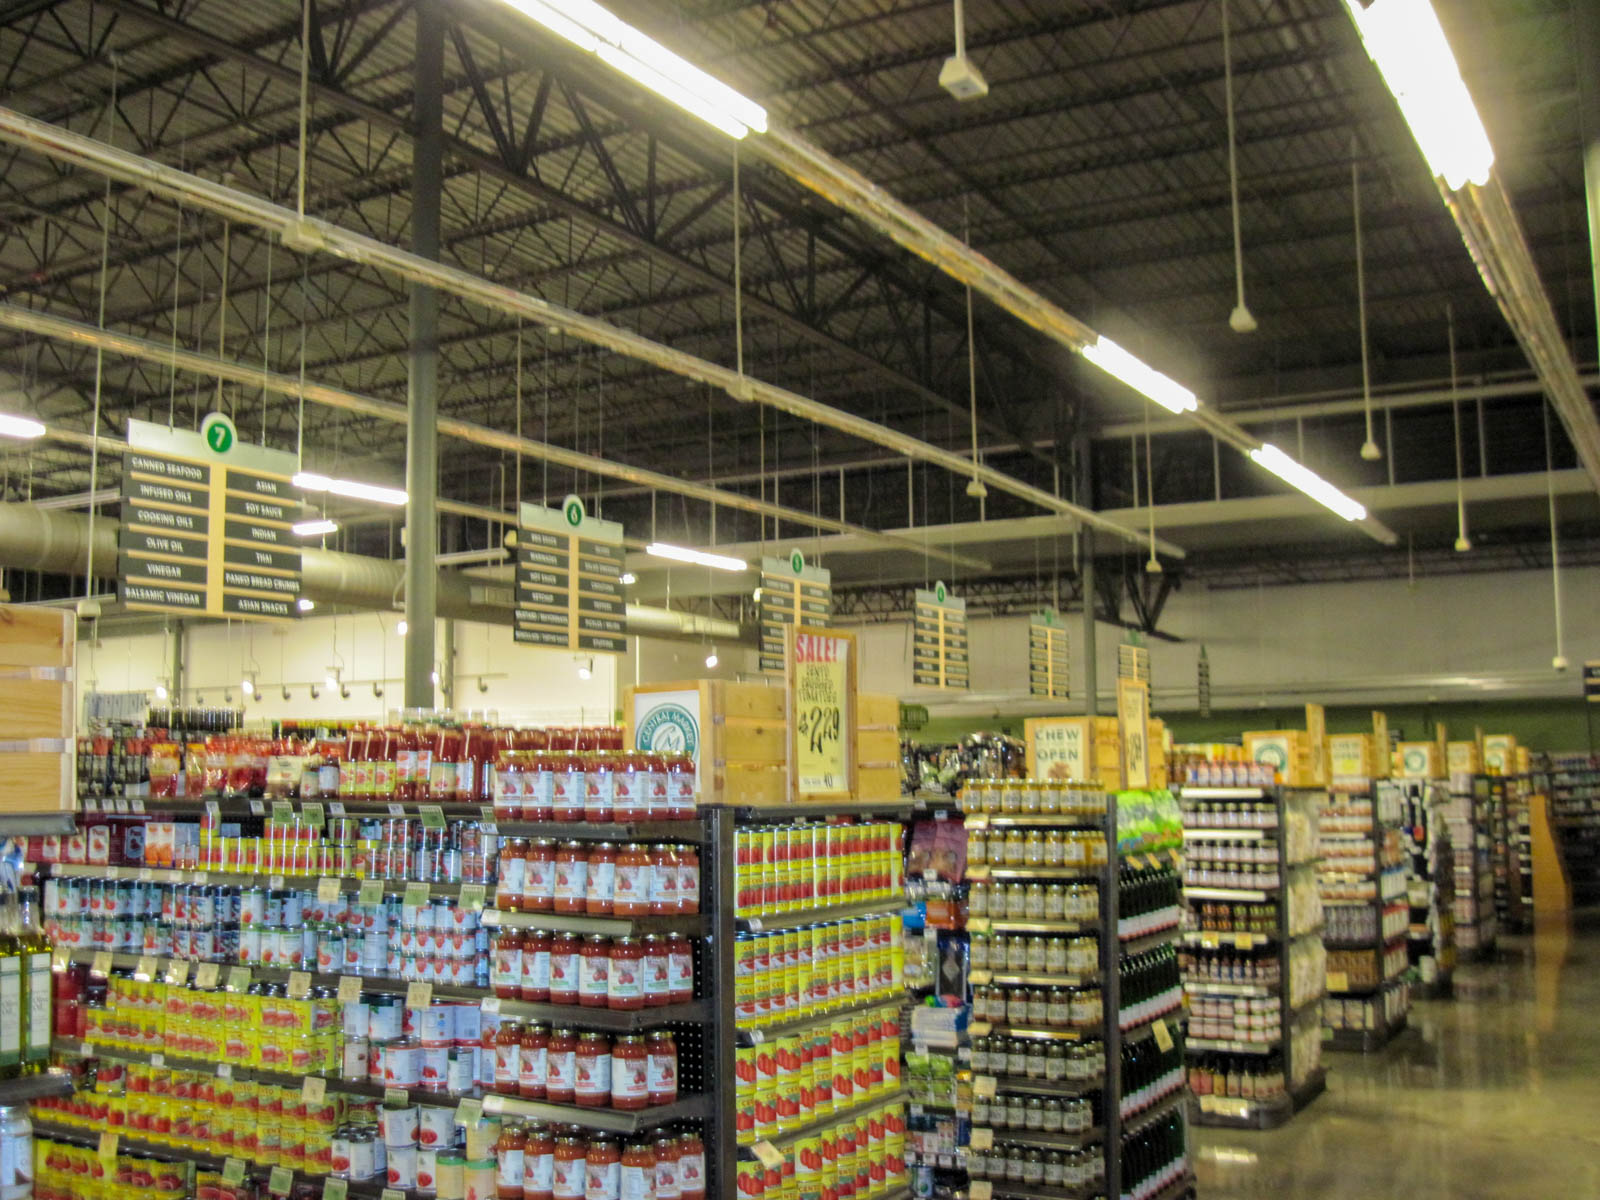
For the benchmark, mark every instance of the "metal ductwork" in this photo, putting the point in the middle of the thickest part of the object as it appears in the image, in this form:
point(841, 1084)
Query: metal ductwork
point(36, 539)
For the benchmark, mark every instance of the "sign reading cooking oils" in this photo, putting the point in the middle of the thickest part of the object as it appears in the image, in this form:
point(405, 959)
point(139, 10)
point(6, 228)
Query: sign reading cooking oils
point(822, 686)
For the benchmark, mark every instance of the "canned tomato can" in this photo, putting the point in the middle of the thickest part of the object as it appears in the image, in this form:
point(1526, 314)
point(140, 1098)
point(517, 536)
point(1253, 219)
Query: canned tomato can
point(435, 1126)
point(398, 1125)
point(402, 1064)
point(402, 1169)
point(434, 1067)
point(354, 1017)
point(461, 1070)
point(432, 1025)
point(252, 906)
point(330, 952)
point(385, 1017)
point(357, 1059)
point(339, 1162)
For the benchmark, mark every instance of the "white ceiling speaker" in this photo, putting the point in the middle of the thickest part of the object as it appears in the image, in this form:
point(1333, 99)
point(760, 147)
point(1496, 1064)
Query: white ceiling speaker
point(959, 76)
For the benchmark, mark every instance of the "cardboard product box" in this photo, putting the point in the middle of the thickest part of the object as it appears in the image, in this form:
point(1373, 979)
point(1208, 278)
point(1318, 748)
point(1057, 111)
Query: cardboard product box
point(1287, 750)
point(1352, 755)
point(38, 649)
point(1462, 758)
point(1419, 760)
point(736, 732)
point(1160, 752)
point(1499, 754)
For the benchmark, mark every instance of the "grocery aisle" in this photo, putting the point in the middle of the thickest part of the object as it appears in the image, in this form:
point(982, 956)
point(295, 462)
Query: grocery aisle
point(1489, 1095)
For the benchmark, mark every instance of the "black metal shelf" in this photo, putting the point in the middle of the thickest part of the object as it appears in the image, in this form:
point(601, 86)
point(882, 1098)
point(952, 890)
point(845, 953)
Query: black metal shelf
point(838, 1116)
point(611, 1120)
point(34, 1087)
point(1144, 1118)
point(766, 1033)
point(1021, 1085)
point(899, 809)
point(885, 907)
point(1148, 941)
point(1050, 1141)
point(694, 924)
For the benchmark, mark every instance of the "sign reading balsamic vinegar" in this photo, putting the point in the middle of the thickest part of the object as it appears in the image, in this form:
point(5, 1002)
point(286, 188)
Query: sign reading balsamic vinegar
point(792, 593)
point(1049, 657)
point(569, 580)
point(939, 640)
point(206, 525)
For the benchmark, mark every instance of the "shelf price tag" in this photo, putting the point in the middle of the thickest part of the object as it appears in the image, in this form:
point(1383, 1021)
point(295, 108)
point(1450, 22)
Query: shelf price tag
point(335, 1189)
point(282, 812)
point(257, 809)
point(1162, 1036)
point(396, 1097)
point(205, 975)
point(415, 896)
point(768, 1155)
point(370, 892)
point(469, 1112)
point(145, 971)
point(1244, 940)
point(390, 1194)
point(419, 994)
point(299, 985)
point(108, 1146)
point(311, 814)
point(983, 1087)
point(239, 979)
point(314, 1089)
point(432, 816)
point(349, 989)
point(232, 1171)
point(490, 1005)
point(982, 1139)
point(280, 1181)
point(213, 812)
point(60, 960)
point(397, 810)
point(473, 896)
point(224, 1070)
point(336, 808)
point(158, 1060)
point(276, 882)
point(1338, 981)
point(981, 1189)
point(101, 963)
point(327, 891)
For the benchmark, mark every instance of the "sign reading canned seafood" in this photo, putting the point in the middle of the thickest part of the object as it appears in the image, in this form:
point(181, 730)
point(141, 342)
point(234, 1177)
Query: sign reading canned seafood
point(203, 535)
point(569, 580)
point(822, 684)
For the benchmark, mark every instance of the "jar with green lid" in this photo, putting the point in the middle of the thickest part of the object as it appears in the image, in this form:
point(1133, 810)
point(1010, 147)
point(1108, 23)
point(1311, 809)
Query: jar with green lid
point(981, 1114)
point(977, 846)
point(1017, 1006)
point(1055, 1169)
point(1036, 955)
point(1017, 1058)
point(1052, 1116)
point(1015, 847)
point(1017, 1111)
point(977, 947)
point(1055, 1063)
point(977, 1164)
point(1016, 954)
point(1033, 1168)
point(1055, 848)
point(1036, 1059)
point(1049, 797)
point(1055, 956)
point(1016, 901)
point(978, 899)
point(1038, 1006)
point(1035, 902)
point(980, 1056)
point(1055, 902)
point(1058, 1008)
point(1011, 797)
point(1014, 1163)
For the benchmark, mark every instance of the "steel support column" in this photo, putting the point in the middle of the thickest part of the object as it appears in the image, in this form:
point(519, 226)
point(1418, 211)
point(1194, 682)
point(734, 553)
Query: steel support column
point(422, 399)
point(1085, 496)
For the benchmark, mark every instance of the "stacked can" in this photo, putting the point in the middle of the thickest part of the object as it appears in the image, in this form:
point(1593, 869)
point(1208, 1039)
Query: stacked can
point(66, 1172)
point(796, 1079)
point(261, 1027)
point(794, 973)
point(861, 1157)
point(785, 868)
point(434, 1049)
point(368, 847)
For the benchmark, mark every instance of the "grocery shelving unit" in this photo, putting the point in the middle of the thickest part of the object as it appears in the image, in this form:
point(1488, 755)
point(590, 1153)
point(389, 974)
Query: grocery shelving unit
point(1506, 799)
point(699, 1026)
point(1363, 885)
point(1472, 843)
point(1287, 832)
point(1430, 888)
point(1572, 784)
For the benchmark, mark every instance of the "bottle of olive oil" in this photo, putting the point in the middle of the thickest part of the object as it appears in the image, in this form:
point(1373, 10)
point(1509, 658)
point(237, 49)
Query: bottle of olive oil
point(37, 981)
point(11, 1005)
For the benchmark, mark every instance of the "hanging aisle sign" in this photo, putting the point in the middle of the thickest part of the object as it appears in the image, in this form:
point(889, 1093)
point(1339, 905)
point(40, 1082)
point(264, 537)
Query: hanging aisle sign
point(1591, 681)
point(1049, 657)
point(1133, 661)
point(939, 640)
point(569, 580)
point(792, 593)
point(1133, 724)
point(206, 524)
point(821, 681)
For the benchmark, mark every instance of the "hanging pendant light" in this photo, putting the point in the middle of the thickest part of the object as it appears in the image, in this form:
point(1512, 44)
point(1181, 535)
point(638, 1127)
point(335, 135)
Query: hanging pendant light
point(1369, 448)
point(1240, 320)
point(1463, 542)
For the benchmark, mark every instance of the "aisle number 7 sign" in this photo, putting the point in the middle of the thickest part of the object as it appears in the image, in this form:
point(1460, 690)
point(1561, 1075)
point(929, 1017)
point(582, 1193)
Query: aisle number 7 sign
point(821, 678)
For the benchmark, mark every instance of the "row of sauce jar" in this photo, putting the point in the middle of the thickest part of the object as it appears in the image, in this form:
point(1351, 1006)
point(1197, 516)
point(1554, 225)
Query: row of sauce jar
point(536, 1162)
point(1034, 847)
point(598, 878)
point(1084, 802)
point(1078, 903)
point(593, 971)
point(1034, 955)
point(1055, 1008)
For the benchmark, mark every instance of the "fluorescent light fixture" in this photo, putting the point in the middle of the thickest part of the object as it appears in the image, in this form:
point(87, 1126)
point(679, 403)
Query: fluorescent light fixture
point(20, 427)
point(1140, 376)
point(305, 605)
point(1308, 481)
point(598, 31)
point(711, 659)
point(313, 528)
point(702, 558)
point(1408, 46)
point(628, 578)
point(346, 487)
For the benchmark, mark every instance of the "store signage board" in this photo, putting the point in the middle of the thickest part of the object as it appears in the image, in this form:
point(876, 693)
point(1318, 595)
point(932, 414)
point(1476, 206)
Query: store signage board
point(1591, 681)
point(793, 592)
point(1058, 747)
point(939, 656)
point(668, 723)
point(1133, 662)
point(1133, 723)
point(1317, 735)
point(205, 524)
point(821, 680)
point(569, 580)
point(1049, 658)
point(1382, 747)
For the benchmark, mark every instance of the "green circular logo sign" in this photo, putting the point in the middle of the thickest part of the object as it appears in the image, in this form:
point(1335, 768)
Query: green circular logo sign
point(669, 729)
point(219, 432)
point(797, 561)
point(573, 508)
point(1272, 755)
point(1416, 761)
point(939, 592)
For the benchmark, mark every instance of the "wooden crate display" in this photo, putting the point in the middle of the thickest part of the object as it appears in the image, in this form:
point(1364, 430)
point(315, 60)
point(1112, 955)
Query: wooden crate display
point(38, 650)
point(1419, 760)
point(1289, 751)
point(739, 732)
point(1352, 756)
point(878, 768)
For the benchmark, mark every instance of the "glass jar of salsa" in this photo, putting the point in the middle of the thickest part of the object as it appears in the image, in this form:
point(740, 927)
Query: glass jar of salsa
point(506, 973)
point(538, 784)
point(599, 796)
point(594, 971)
point(691, 1166)
point(592, 1071)
point(632, 881)
point(568, 786)
point(508, 1152)
point(533, 1068)
point(560, 1063)
point(534, 981)
point(631, 788)
point(538, 1164)
point(572, 878)
point(662, 1066)
point(507, 1057)
point(656, 969)
point(688, 878)
point(680, 969)
point(600, 894)
point(682, 790)
point(663, 880)
point(564, 968)
point(539, 876)
point(658, 803)
point(625, 980)
point(569, 1162)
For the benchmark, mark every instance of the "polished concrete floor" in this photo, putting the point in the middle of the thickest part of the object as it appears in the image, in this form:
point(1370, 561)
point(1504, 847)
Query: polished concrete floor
point(1494, 1093)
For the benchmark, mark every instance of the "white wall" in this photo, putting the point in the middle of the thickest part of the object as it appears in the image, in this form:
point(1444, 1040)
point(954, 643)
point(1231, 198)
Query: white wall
point(1384, 639)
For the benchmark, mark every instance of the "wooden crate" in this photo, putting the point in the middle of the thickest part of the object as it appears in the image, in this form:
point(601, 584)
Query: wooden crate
point(1288, 750)
point(739, 728)
point(1419, 760)
point(1352, 756)
point(1462, 758)
point(38, 651)
point(877, 710)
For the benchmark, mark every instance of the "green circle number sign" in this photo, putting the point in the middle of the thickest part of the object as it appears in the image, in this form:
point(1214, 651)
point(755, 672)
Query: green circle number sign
point(219, 432)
